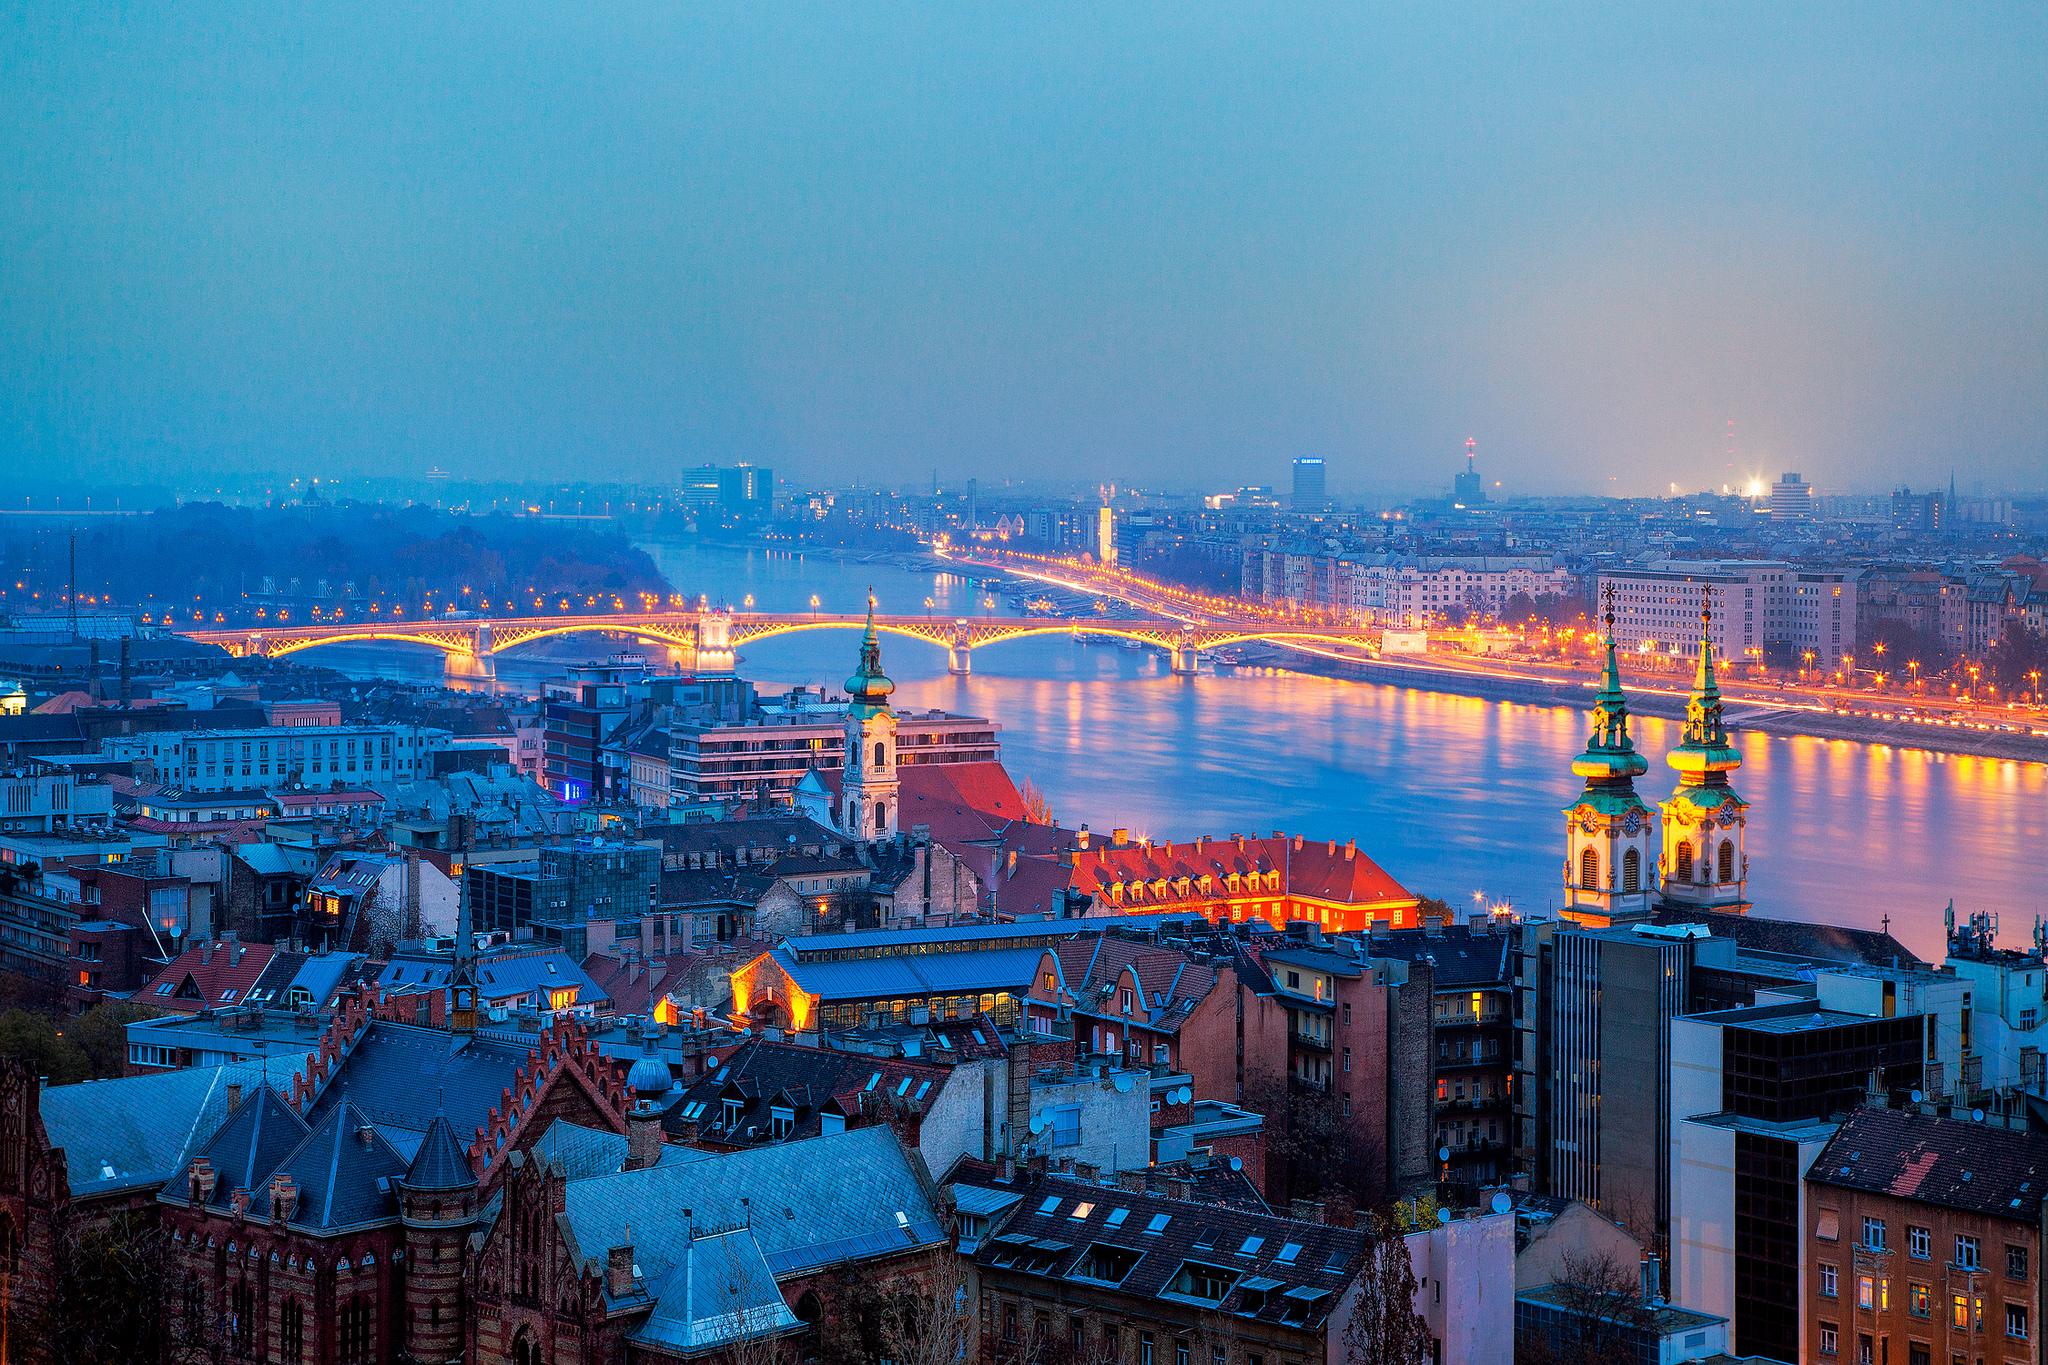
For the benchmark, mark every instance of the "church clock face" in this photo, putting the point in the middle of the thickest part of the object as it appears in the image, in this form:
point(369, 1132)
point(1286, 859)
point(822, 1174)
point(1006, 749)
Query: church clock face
point(1588, 822)
point(1633, 822)
point(1726, 815)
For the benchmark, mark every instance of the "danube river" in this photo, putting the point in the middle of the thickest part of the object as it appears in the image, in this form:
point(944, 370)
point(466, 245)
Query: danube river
point(1455, 796)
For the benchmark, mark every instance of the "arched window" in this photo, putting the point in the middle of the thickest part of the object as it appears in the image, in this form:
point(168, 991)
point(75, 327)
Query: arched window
point(525, 1350)
point(1589, 870)
point(1727, 860)
point(291, 1332)
point(1632, 871)
point(242, 1317)
point(881, 814)
point(881, 754)
point(1681, 863)
point(354, 1334)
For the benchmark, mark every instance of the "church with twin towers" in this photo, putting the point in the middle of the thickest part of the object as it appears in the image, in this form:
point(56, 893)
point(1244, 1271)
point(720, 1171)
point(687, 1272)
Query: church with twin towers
point(1624, 858)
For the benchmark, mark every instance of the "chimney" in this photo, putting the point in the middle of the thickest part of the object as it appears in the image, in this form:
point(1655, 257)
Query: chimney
point(365, 1134)
point(284, 1197)
point(127, 674)
point(206, 953)
point(202, 1178)
point(618, 1271)
point(1119, 837)
point(1081, 837)
point(643, 1137)
point(1306, 1210)
point(234, 1096)
point(1653, 1278)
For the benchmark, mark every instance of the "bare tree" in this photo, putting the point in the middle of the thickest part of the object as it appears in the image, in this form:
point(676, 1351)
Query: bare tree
point(114, 1292)
point(752, 1321)
point(927, 1319)
point(1602, 1314)
point(1384, 1325)
point(1037, 809)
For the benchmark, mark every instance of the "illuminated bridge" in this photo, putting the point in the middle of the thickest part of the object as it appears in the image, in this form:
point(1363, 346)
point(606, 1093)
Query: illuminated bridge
point(705, 640)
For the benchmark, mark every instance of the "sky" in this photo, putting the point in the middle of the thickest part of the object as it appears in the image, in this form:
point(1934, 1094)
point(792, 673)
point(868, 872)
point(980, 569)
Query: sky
point(1173, 245)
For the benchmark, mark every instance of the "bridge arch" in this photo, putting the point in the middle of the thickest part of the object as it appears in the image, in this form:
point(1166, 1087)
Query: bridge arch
point(276, 648)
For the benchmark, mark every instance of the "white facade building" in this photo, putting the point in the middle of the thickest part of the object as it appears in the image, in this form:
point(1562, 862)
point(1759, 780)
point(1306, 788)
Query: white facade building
point(1758, 605)
point(299, 755)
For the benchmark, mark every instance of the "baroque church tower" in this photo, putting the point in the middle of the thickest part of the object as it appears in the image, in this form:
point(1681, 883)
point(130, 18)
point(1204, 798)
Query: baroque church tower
point(1704, 865)
point(1610, 832)
point(868, 791)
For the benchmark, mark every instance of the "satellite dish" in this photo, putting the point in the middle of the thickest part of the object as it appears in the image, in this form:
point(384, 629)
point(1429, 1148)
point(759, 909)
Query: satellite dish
point(1917, 1097)
point(1123, 1085)
point(1038, 1123)
point(1443, 1215)
point(1443, 1154)
point(1183, 1095)
point(1976, 1116)
point(1237, 1163)
point(1500, 1202)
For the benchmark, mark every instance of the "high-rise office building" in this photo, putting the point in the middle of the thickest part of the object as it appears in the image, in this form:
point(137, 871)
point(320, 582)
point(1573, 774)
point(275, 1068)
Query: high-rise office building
point(1309, 494)
point(1791, 499)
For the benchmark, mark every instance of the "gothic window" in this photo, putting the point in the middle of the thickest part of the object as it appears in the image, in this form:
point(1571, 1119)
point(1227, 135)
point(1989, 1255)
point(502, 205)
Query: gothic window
point(291, 1333)
point(1681, 863)
point(1589, 870)
point(1632, 871)
point(525, 1350)
point(8, 1249)
point(1727, 860)
point(354, 1345)
point(242, 1317)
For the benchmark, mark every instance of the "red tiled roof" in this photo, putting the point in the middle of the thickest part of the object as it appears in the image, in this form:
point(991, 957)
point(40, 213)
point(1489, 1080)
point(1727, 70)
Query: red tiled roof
point(207, 976)
point(1325, 871)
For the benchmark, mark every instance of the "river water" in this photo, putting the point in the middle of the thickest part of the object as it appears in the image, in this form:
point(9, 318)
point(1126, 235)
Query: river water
point(1456, 796)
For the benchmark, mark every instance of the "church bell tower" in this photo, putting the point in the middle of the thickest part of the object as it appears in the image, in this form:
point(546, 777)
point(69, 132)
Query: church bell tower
point(1705, 866)
point(1610, 831)
point(868, 790)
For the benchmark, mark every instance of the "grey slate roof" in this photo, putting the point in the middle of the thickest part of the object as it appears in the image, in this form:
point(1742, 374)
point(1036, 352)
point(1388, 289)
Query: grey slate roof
point(139, 1131)
point(440, 1163)
point(870, 978)
point(261, 1132)
point(580, 1152)
point(819, 1202)
point(344, 1169)
point(721, 1292)
point(402, 1075)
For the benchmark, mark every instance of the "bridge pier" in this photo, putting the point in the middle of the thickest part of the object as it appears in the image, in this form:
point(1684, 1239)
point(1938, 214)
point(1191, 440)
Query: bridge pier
point(714, 643)
point(1187, 661)
point(958, 661)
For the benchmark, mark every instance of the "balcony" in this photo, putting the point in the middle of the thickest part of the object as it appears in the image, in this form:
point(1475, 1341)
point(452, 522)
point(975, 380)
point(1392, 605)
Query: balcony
point(1309, 1041)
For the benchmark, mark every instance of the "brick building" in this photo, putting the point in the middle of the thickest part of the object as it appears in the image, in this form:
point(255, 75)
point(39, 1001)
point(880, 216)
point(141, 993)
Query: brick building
point(1923, 1243)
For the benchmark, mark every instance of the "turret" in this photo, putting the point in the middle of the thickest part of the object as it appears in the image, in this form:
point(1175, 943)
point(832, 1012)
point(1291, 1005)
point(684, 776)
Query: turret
point(437, 1207)
point(1704, 865)
point(1610, 831)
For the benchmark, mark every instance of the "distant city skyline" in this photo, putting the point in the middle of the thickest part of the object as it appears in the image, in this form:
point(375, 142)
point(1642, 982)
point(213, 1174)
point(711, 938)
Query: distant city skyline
point(1183, 246)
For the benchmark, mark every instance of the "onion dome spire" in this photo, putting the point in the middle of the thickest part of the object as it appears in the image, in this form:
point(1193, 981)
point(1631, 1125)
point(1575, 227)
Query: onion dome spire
point(1610, 752)
point(1704, 751)
point(870, 686)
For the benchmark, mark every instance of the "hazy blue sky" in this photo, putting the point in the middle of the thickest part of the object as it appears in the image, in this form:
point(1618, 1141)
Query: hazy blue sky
point(1172, 244)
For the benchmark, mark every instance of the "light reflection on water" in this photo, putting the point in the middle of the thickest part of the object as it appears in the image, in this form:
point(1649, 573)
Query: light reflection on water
point(1452, 794)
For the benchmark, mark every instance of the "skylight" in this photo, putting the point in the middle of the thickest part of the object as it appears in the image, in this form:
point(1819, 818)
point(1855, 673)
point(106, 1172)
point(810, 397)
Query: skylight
point(1116, 1218)
point(1288, 1253)
point(1081, 1210)
point(1251, 1246)
point(1158, 1224)
point(1050, 1204)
